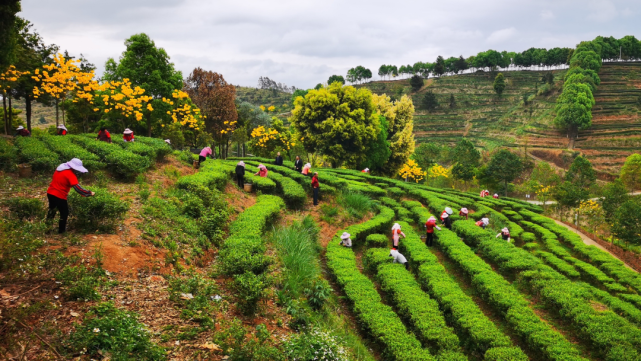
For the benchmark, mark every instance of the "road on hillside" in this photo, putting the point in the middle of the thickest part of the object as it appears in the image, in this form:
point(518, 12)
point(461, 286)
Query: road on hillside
point(539, 203)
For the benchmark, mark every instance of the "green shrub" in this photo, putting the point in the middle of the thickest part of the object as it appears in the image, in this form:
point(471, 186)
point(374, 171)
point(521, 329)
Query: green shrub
point(250, 289)
point(36, 153)
point(376, 240)
point(528, 237)
point(505, 354)
point(8, 156)
point(160, 147)
point(141, 149)
point(109, 329)
point(238, 347)
point(318, 293)
point(314, 344)
point(25, 208)
point(102, 211)
point(67, 150)
point(118, 160)
point(79, 283)
point(186, 156)
point(531, 246)
point(293, 193)
point(356, 204)
point(396, 192)
point(198, 306)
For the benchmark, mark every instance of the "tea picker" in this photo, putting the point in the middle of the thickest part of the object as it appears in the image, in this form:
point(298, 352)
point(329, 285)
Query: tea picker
point(262, 171)
point(240, 174)
point(505, 234)
point(346, 241)
point(429, 230)
point(399, 258)
point(484, 222)
point(397, 233)
point(128, 135)
point(64, 178)
point(203, 155)
point(463, 212)
point(62, 130)
point(315, 188)
point(103, 135)
point(22, 132)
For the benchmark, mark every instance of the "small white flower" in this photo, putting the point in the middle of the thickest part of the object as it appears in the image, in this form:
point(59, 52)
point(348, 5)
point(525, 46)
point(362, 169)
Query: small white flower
point(96, 330)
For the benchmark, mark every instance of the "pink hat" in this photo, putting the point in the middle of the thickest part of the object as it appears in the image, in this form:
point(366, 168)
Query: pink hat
point(464, 210)
point(345, 235)
point(505, 230)
point(128, 131)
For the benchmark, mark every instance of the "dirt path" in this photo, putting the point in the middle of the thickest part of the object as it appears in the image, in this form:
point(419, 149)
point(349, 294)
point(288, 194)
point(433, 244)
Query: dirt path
point(590, 242)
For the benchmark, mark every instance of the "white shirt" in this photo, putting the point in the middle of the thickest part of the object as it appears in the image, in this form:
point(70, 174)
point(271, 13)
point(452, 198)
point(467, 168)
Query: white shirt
point(398, 257)
point(347, 242)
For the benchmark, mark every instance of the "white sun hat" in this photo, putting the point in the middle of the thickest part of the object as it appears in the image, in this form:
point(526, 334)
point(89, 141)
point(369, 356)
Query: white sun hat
point(61, 126)
point(241, 163)
point(505, 230)
point(367, 169)
point(345, 235)
point(396, 226)
point(449, 210)
point(486, 221)
point(128, 131)
point(75, 164)
point(464, 210)
point(167, 141)
point(20, 128)
point(445, 215)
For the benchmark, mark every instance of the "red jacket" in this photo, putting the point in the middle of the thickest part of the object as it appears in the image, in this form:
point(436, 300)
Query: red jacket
point(429, 225)
point(315, 182)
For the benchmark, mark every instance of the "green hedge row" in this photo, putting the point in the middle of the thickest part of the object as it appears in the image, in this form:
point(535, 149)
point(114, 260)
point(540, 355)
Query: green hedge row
point(244, 249)
point(304, 181)
point(67, 150)
point(119, 161)
point(558, 264)
point(377, 240)
point(413, 304)
point(600, 259)
point(608, 333)
point(161, 148)
point(292, 193)
point(482, 336)
point(501, 295)
point(378, 319)
point(269, 162)
point(35, 152)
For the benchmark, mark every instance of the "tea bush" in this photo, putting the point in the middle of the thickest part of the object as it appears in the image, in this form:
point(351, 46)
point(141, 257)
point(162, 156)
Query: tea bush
point(25, 208)
point(119, 161)
point(8, 156)
point(79, 283)
point(67, 150)
point(108, 328)
point(36, 153)
point(250, 289)
point(102, 211)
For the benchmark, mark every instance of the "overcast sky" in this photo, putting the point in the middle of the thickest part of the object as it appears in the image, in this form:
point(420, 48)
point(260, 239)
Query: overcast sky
point(303, 42)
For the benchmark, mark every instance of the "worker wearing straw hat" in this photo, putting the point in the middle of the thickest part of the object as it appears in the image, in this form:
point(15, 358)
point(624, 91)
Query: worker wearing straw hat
point(64, 178)
point(22, 132)
point(484, 222)
point(346, 241)
point(128, 135)
point(262, 171)
point(505, 234)
point(62, 130)
point(429, 230)
point(463, 212)
point(399, 258)
point(240, 174)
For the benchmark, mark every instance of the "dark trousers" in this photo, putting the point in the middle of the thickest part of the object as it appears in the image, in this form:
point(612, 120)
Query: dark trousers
point(57, 204)
point(201, 159)
point(241, 180)
point(429, 239)
point(315, 196)
point(407, 265)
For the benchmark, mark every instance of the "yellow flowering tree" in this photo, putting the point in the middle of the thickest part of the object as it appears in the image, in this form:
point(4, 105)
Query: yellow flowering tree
point(8, 79)
point(593, 212)
point(544, 193)
point(265, 141)
point(120, 101)
point(187, 117)
point(411, 170)
point(62, 77)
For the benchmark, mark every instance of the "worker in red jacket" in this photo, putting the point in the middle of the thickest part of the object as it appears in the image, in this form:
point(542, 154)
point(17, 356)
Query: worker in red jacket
point(429, 230)
point(22, 132)
point(103, 135)
point(315, 187)
point(128, 135)
point(505, 234)
point(62, 130)
point(64, 178)
point(463, 213)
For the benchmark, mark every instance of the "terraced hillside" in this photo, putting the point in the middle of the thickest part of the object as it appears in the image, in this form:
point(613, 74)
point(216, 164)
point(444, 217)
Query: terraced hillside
point(616, 129)
point(479, 113)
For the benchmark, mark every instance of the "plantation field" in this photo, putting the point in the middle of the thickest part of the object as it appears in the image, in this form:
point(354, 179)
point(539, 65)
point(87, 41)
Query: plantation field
point(192, 267)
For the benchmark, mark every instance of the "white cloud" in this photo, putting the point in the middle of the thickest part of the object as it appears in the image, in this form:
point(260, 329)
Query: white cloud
point(302, 43)
point(601, 10)
point(547, 15)
point(502, 35)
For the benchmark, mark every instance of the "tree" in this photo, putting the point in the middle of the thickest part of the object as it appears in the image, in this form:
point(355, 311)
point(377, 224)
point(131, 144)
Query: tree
point(586, 60)
point(614, 195)
point(399, 116)
point(338, 78)
point(574, 108)
point(544, 174)
point(298, 93)
point(266, 141)
point(416, 82)
point(499, 84)
point(631, 172)
point(461, 64)
point(411, 170)
point(466, 153)
point(439, 67)
point(426, 154)
point(627, 222)
point(318, 86)
point(379, 150)
point(250, 117)
point(31, 53)
point(452, 101)
point(569, 195)
point(216, 100)
point(581, 173)
point(505, 166)
point(148, 67)
point(338, 121)
point(464, 172)
point(429, 102)
point(8, 33)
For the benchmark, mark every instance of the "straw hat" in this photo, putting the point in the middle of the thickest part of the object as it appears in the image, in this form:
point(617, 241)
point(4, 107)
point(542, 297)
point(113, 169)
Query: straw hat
point(345, 235)
point(505, 230)
point(128, 131)
point(75, 164)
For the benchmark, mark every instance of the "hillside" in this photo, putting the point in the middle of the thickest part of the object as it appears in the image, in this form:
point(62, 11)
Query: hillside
point(267, 97)
point(489, 121)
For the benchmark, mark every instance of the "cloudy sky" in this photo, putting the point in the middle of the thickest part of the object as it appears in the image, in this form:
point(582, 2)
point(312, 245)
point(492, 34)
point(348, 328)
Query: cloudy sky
point(303, 42)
